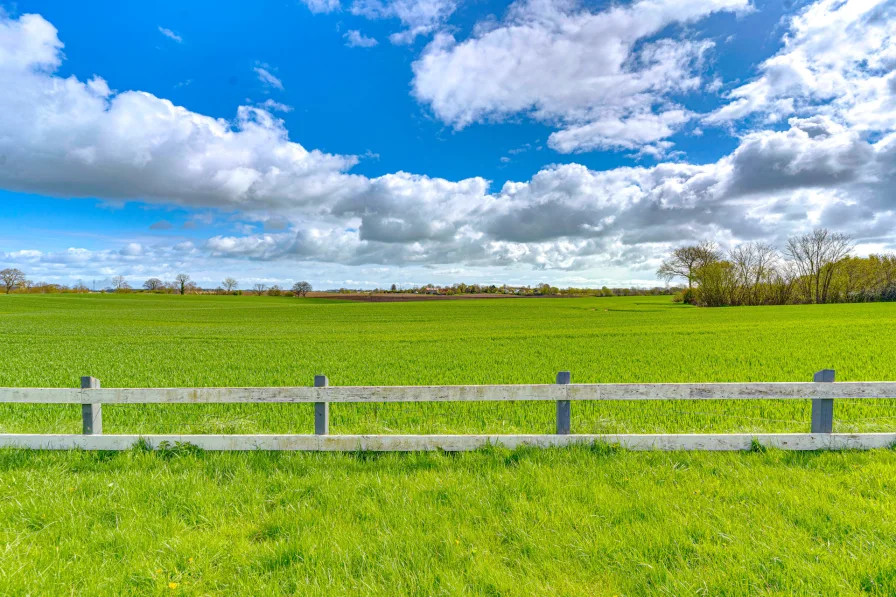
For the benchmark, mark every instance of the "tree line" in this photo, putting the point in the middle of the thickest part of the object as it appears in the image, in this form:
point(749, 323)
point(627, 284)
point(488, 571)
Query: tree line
point(13, 279)
point(543, 289)
point(817, 267)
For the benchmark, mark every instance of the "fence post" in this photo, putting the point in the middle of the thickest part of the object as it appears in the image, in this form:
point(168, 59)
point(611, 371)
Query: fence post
point(563, 410)
point(823, 408)
point(321, 409)
point(91, 414)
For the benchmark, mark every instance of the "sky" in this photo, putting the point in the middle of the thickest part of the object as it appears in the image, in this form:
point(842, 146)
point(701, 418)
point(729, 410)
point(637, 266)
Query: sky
point(361, 143)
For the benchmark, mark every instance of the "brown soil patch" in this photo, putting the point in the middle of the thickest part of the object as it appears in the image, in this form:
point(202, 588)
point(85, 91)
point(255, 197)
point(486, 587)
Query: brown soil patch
point(406, 298)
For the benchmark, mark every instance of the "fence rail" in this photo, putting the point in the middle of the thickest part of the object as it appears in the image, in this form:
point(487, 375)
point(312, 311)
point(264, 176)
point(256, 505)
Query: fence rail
point(91, 396)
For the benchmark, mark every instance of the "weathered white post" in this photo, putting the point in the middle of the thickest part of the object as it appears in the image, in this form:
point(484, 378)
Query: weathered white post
point(321, 409)
point(91, 414)
point(563, 410)
point(823, 408)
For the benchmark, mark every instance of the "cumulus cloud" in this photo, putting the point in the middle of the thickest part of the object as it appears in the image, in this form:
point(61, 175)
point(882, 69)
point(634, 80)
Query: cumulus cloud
point(837, 59)
point(67, 138)
point(602, 77)
point(356, 39)
point(420, 17)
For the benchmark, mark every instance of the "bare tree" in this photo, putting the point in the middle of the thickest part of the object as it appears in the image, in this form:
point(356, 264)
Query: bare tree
point(752, 265)
point(11, 277)
point(685, 261)
point(817, 256)
point(229, 284)
point(259, 288)
point(182, 281)
point(781, 282)
point(301, 288)
point(153, 284)
point(120, 283)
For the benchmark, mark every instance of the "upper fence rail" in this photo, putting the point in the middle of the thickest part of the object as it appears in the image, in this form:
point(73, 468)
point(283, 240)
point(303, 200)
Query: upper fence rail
point(821, 391)
point(471, 393)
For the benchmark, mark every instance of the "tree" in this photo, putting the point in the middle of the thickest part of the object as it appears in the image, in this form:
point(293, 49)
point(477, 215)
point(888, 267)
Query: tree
point(229, 284)
point(817, 256)
point(153, 284)
point(301, 288)
point(182, 281)
point(11, 278)
point(752, 265)
point(120, 283)
point(393, 289)
point(685, 261)
point(259, 288)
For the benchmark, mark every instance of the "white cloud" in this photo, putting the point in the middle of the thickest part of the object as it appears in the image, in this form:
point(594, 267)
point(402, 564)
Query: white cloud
point(170, 34)
point(66, 138)
point(837, 59)
point(29, 42)
point(356, 39)
point(597, 75)
point(322, 6)
point(265, 76)
point(420, 17)
point(274, 106)
point(635, 131)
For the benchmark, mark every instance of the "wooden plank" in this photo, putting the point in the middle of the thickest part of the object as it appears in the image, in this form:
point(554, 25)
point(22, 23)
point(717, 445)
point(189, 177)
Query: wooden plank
point(321, 409)
point(564, 409)
point(550, 392)
point(91, 414)
point(414, 443)
point(823, 408)
point(41, 395)
point(738, 391)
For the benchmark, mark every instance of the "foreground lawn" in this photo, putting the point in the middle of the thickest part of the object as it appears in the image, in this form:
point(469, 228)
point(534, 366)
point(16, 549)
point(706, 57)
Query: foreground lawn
point(582, 521)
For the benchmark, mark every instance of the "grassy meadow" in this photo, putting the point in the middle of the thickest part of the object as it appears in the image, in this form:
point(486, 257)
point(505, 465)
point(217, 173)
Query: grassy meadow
point(578, 521)
point(190, 341)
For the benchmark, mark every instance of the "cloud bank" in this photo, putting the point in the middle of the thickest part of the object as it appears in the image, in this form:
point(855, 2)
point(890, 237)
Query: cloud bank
point(826, 154)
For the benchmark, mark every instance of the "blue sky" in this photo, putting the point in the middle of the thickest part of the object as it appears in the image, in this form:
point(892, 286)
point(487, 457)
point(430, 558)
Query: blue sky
point(433, 140)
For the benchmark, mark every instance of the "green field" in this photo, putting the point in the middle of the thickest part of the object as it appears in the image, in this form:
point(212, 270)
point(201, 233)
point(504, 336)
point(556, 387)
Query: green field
point(580, 521)
point(172, 341)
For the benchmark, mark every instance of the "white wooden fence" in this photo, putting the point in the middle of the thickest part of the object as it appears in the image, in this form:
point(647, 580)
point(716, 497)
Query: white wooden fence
point(822, 391)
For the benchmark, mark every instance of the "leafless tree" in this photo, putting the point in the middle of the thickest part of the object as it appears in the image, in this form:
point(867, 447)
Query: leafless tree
point(153, 284)
point(781, 282)
point(685, 261)
point(259, 288)
point(753, 264)
point(816, 257)
point(120, 283)
point(301, 288)
point(11, 277)
point(229, 284)
point(182, 280)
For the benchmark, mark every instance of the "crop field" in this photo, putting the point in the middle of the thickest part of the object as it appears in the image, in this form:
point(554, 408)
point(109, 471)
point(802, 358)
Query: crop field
point(193, 341)
point(578, 521)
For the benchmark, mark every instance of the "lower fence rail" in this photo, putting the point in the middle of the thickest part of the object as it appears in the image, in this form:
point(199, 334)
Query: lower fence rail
point(454, 443)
